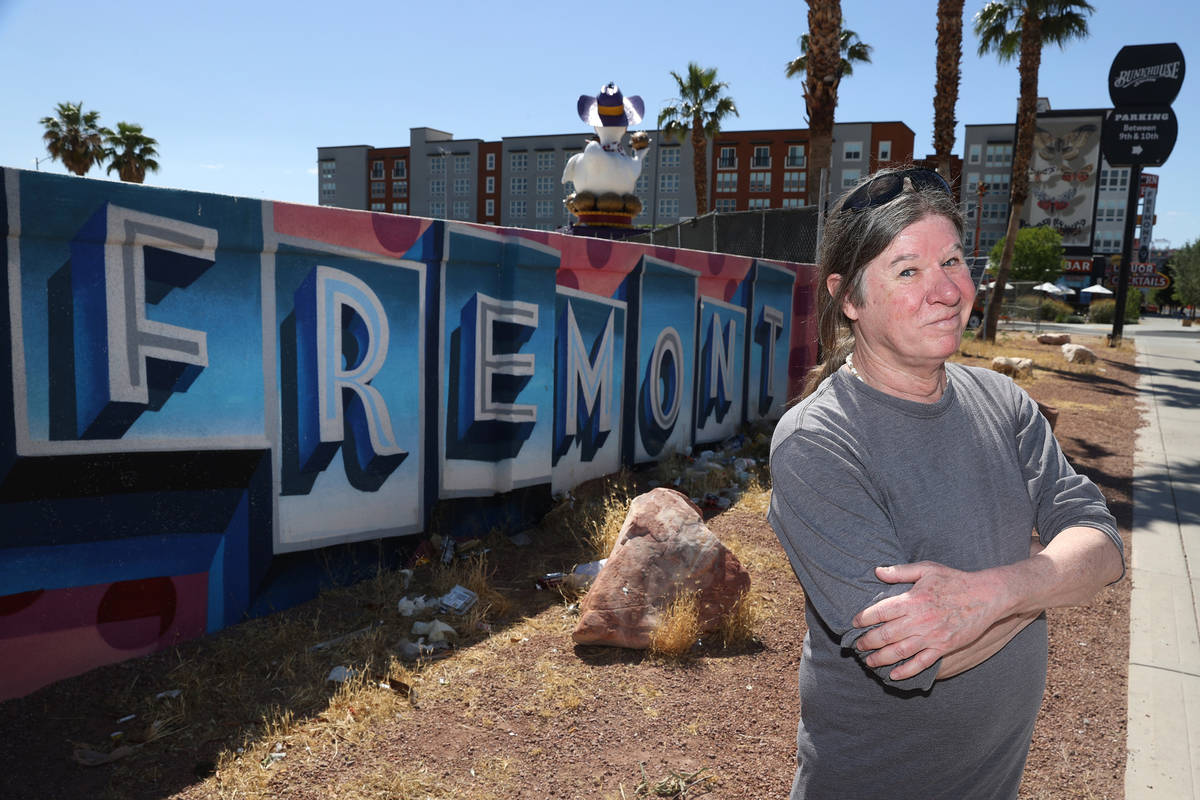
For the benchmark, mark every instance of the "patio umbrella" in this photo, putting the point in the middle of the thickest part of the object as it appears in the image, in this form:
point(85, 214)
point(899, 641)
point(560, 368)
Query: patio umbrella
point(1095, 288)
point(1048, 288)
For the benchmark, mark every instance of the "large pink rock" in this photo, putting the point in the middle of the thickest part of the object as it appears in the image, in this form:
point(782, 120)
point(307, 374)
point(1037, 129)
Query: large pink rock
point(663, 550)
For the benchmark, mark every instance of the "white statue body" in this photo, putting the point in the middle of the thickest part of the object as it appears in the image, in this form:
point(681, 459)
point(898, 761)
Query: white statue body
point(604, 166)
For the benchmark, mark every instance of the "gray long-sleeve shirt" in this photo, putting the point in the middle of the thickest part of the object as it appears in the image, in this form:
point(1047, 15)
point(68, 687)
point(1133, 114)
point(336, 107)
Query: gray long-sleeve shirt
point(863, 479)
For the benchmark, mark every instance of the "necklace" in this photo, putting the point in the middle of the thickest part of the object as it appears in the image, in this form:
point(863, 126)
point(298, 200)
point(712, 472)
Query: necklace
point(853, 371)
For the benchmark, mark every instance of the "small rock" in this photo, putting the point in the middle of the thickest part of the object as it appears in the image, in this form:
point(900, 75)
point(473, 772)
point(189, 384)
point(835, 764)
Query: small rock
point(1016, 367)
point(1078, 354)
point(1054, 338)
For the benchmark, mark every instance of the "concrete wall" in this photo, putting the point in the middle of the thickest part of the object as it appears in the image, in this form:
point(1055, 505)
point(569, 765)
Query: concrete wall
point(205, 399)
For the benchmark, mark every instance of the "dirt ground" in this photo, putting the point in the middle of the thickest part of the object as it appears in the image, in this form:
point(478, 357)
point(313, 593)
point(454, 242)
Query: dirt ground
point(517, 711)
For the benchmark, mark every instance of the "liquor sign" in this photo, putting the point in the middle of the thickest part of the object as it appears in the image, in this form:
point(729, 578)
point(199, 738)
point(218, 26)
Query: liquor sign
point(1145, 276)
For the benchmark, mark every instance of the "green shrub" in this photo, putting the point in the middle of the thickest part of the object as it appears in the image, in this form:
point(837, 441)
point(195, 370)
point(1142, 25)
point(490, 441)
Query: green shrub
point(1102, 311)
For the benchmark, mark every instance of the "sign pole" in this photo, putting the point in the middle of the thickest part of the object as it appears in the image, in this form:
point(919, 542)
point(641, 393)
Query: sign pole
point(1127, 252)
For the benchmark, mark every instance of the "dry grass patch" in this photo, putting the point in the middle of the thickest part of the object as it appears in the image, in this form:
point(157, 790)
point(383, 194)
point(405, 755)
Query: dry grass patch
point(678, 630)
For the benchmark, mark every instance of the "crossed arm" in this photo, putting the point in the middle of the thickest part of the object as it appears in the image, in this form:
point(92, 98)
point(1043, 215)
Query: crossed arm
point(964, 618)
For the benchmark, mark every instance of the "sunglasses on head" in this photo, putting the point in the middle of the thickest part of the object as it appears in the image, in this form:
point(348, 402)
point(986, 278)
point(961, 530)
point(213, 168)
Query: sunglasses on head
point(885, 188)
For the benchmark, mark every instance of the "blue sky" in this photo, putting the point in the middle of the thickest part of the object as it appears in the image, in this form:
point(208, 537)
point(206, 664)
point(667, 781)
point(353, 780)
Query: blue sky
point(241, 94)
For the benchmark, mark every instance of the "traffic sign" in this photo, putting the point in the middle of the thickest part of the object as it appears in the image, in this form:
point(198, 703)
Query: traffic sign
point(1138, 135)
point(1146, 75)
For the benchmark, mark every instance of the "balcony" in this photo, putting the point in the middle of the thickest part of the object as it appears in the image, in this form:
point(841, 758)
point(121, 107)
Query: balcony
point(760, 162)
point(795, 161)
point(727, 162)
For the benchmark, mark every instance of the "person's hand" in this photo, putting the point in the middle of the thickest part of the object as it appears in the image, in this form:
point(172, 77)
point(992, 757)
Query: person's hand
point(945, 610)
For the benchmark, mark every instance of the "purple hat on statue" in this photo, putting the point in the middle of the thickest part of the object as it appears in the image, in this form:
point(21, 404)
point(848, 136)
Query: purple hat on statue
point(610, 108)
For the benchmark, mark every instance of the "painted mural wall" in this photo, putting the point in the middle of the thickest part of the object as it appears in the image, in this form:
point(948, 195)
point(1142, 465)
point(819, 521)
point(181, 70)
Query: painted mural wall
point(200, 392)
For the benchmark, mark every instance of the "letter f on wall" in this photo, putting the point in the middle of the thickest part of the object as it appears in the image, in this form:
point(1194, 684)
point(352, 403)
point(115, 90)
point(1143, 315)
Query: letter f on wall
point(341, 344)
point(125, 362)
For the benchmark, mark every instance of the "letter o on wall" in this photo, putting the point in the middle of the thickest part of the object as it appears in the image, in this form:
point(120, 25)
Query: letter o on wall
point(665, 385)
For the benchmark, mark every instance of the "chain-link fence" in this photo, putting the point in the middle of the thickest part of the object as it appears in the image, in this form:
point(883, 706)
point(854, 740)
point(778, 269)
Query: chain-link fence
point(780, 234)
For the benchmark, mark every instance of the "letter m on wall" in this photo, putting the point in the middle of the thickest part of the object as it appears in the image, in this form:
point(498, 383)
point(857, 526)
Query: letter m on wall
point(124, 362)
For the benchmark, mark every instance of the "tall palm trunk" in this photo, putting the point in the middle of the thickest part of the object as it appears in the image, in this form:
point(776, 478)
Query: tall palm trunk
point(945, 97)
point(700, 164)
point(821, 83)
point(1030, 63)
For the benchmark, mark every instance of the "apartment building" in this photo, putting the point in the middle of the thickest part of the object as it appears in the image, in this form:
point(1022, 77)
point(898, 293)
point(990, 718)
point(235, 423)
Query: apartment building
point(1071, 187)
point(517, 181)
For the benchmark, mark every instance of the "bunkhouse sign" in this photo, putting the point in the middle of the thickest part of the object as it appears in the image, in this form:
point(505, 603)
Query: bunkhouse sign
point(1143, 81)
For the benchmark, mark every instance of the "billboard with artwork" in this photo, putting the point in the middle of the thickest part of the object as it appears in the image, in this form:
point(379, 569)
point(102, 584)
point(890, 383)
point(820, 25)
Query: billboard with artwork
point(1064, 177)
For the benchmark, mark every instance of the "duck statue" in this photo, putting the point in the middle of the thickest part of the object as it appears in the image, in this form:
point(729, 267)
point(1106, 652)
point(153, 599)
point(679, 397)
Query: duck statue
point(605, 174)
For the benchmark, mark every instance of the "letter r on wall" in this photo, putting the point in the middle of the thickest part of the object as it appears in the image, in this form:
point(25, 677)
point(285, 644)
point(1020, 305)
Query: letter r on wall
point(342, 342)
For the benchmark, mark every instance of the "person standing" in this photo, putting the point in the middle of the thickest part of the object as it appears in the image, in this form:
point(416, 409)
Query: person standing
point(930, 516)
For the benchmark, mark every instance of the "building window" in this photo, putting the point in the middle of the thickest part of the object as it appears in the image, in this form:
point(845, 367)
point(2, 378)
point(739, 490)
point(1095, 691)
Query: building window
point(1111, 210)
point(518, 185)
point(491, 160)
point(437, 209)
point(376, 170)
point(461, 209)
point(400, 189)
point(999, 155)
point(518, 208)
point(490, 184)
point(726, 204)
point(378, 189)
point(1114, 179)
point(793, 202)
point(998, 182)
point(759, 203)
point(642, 185)
point(379, 206)
point(850, 177)
point(795, 181)
point(969, 210)
point(462, 164)
point(517, 161)
point(762, 157)
point(668, 182)
point(545, 159)
point(726, 181)
point(569, 188)
point(852, 151)
point(399, 208)
point(489, 207)
point(995, 212)
point(328, 169)
point(795, 156)
point(987, 240)
point(462, 185)
point(437, 165)
point(974, 154)
point(668, 157)
point(437, 187)
point(1107, 241)
point(728, 158)
point(545, 184)
point(972, 183)
point(668, 207)
point(885, 150)
point(543, 209)
point(760, 181)
point(399, 169)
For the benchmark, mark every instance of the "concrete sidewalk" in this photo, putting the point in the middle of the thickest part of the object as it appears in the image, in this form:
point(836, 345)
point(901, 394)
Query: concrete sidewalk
point(1164, 648)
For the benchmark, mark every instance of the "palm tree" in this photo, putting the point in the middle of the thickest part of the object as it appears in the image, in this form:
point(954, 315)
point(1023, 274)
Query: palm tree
point(130, 152)
point(1020, 28)
point(697, 111)
point(75, 137)
point(823, 65)
point(945, 98)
